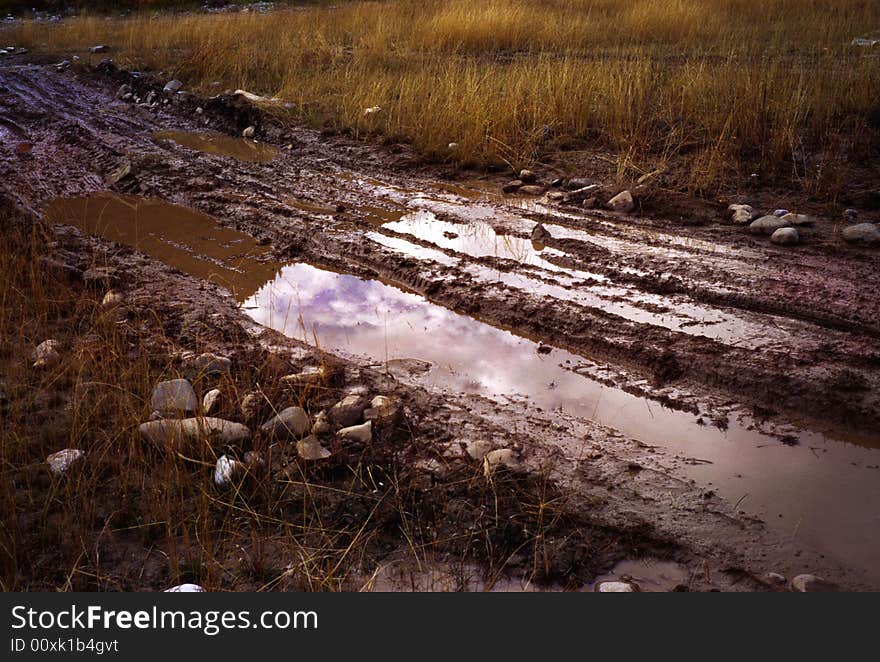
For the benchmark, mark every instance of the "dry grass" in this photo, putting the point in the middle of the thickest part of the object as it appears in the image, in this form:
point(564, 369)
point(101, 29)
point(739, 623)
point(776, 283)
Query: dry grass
point(732, 86)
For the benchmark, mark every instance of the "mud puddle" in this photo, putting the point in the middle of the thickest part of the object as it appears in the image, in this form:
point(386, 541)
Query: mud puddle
point(179, 236)
point(222, 145)
point(821, 491)
point(650, 575)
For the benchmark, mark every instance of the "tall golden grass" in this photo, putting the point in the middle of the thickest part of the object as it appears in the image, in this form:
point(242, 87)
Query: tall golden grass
point(726, 86)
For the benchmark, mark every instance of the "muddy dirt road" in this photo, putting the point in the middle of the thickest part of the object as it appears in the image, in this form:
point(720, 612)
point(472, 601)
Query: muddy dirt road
point(744, 370)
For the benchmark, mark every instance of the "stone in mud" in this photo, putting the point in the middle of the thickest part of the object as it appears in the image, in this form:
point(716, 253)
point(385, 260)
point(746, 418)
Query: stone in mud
point(767, 225)
point(527, 176)
point(112, 299)
point(185, 588)
point(249, 132)
point(799, 219)
point(46, 354)
point(532, 189)
point(775, 578)
point(348, 411)
point(361, 433)
point(576, 183)
point(211, 401)
point(741, 214)
point(311, 449)
point(512, 187)
point(785, 237)
point(622, 202)
point(781, 212)
point(616, 587)
point(184, 435)
point(253, 405)
point(321, 425)
point(292, 422)
point(812, 584)
point(301, 379)
point(556, 196)
point(228, 471)
point(850, 215)
point(503, 457)
point(477, 450)
point(212, 364)
point(60, 462)
point(540, 234)
point(174, 396)
point(862, 233)
point(172, 86)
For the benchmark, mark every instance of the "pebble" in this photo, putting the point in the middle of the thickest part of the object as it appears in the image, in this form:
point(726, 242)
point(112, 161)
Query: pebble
point(292, 421)
point(812, 584)
point(46, 354)
point(212, 364)
point(174, 434)
point(780, 212)
point(61, 461)
point(502, 457)
point(174, 396)
point(576, 183)
point(767, 225)
point(527, 176)
point(185, 588)
point(512, 187)
point(532, 189)
point(362, 433)
point(775, 578)
point(249, 132)
point(321, 425)
point(211, 401)
point(348, 411)
point(172, 86)
point(477, 450)
point(785, 237)
point(799, 219)
point(863, 233)
point(372, 110)
point(622, 202)
point(615, 587)
point(310, 378)
point(311, 449)
point(112, 298)
point(228, 471)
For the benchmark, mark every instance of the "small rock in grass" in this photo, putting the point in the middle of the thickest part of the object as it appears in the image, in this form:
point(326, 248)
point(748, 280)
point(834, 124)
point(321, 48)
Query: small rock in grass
point(785, 237)
point(348, 411)
point(512, 187)
point(527, 176)
point(185, 588)
point(861, 233)
point(249, 132)
point(622, 202)
point(477, 450)
point(311, 449)
point(780, 212)
point(174, 396)
point(103, 48)
point(292, 422)
point(61, 461)
point(186, 435)
point(112, 299)
point(362, 433)
point(211, 364)
point(503, 457)
point(767, 225)
point(254, 459)
point(253, 405)
point(46, 354)
point(211, 401)
point(228, 471)
point(321, 425)
point(812, 584)
point(172, 86)
point(372, 110)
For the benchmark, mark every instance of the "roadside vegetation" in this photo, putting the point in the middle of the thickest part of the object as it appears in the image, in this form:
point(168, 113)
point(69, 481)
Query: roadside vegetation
point(719, 90)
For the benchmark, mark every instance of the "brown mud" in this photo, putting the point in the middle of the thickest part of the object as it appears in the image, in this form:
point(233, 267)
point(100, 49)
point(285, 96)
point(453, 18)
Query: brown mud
point(688, 378)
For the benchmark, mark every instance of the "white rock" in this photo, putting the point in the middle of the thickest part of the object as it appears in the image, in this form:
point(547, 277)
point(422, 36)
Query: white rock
point(309, 378)
point(812, 584)
point(767, 225)
point(292, 421)
point(172, 86)
point(775, 578)
point(362, 433)
point(112, 298)
point(249, 132)
point(46, 354)
point(452, 147)
point(862, 233)
point(477, 450)
point(615, 587)
point(372, 110)
point(799, 219)
point(381, 402)
point(622, 202)
point(348, 411)
point(502, 457)
point(61, 461)
point(174, 396)
point(228, 471)
point(199, 110)
point(185, 588)
point(785, 237)
point(527, 176)
point(311, 449)
point(741, 214)
point(210, 401)
point(172, 434)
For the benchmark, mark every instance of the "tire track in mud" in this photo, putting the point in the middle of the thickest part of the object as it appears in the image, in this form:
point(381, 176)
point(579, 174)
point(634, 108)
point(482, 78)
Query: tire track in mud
point(85, 135)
